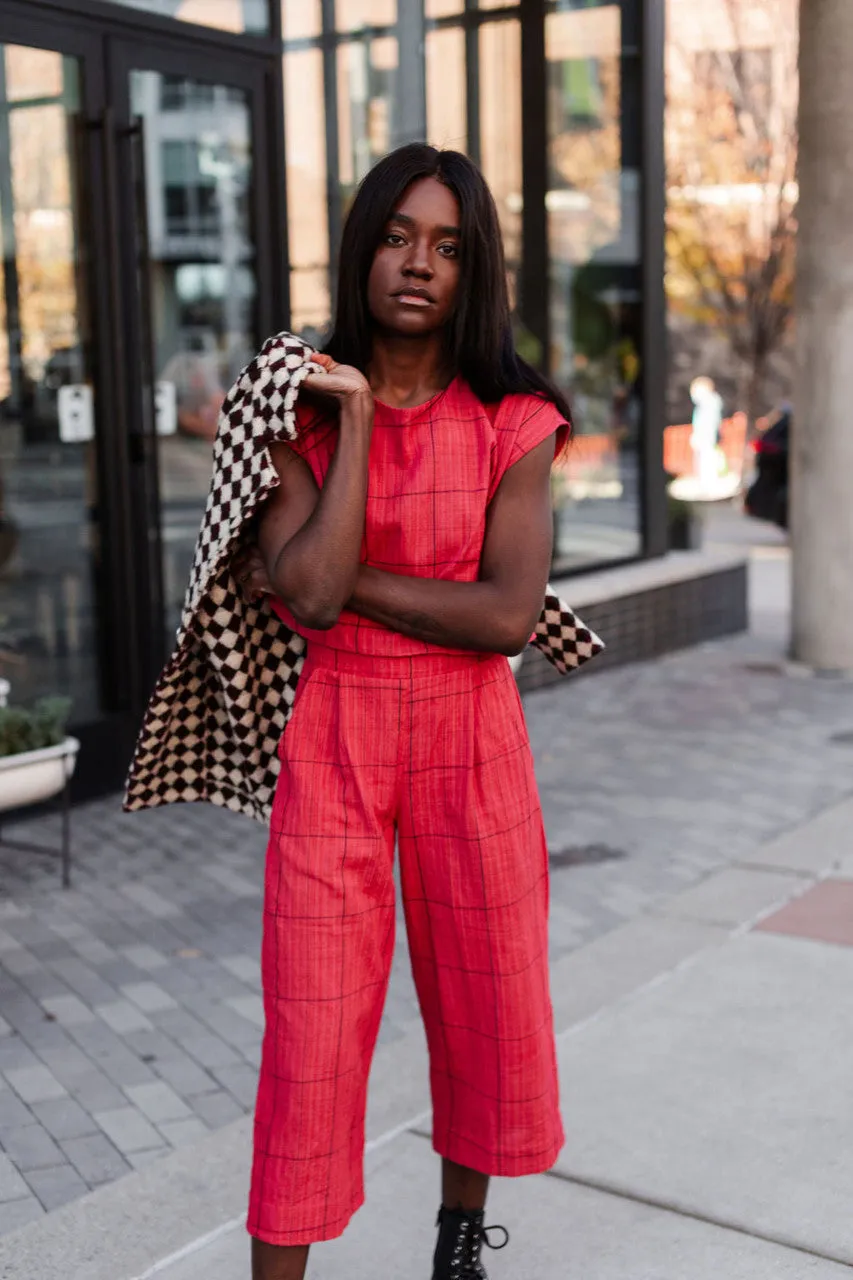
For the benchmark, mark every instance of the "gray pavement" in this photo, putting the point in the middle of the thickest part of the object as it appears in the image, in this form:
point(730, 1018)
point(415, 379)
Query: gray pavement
point(130, 1014)
point(705, 1074)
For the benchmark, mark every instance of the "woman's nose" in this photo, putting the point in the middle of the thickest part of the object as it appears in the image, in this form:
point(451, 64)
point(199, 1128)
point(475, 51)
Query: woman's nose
point(419, 262)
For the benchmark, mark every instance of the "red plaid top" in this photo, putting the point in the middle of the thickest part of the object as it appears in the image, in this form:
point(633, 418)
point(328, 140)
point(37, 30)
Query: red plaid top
point(433, 471)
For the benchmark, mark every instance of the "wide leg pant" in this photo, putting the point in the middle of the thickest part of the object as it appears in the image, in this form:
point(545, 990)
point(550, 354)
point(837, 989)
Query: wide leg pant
point(433, 749)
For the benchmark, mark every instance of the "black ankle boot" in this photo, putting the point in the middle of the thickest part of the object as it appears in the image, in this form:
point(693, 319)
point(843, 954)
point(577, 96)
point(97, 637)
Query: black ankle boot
point(461, 1238)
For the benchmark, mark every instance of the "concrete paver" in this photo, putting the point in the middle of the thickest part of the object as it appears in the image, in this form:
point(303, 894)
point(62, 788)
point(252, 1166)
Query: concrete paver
point(558, 1230)
point(824, 913)
point(30, 1147)
point(733, 895)
point(831, 838)
point(56, 1186)
point(128, 1129)
point(34, 1083)
point(95, 1158)
point(724, 1091)
point(158, 1102)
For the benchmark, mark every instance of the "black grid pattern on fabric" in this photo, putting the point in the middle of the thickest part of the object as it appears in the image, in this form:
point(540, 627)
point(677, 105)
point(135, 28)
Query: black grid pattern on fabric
point(370, 755)
point(218, 710)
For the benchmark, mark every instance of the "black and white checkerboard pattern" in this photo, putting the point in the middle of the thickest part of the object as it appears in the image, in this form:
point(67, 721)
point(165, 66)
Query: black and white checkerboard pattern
point(216, 716)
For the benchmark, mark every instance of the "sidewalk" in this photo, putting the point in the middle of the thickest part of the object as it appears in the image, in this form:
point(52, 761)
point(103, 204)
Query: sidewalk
point(708, 1127)
point(705, 1061)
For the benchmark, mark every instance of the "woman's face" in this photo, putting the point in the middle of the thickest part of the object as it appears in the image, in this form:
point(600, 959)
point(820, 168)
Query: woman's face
point(415, 274)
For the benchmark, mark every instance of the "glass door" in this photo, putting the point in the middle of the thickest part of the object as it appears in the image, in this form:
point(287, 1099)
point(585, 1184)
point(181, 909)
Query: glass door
point(50, 566)
point(202, 304)
point(138, 273)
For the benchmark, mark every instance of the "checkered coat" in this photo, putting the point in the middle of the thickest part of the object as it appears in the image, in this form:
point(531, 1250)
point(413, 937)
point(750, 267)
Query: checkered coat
point(216, 716)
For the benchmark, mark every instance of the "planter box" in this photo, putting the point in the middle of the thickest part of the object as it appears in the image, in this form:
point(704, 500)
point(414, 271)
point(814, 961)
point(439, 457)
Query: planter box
point(33, 776)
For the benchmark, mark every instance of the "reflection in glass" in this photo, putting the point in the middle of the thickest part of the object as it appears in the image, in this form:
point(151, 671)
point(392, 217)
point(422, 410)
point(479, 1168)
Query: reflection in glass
point(367, 89)
point(352, 15)
point(445, 86)
point(47, 463)
point(249, 16)
point(300, 19)
point(595, 300)
point(444, 8)
point(308, 225)
point(500, 123)
point(197, 158)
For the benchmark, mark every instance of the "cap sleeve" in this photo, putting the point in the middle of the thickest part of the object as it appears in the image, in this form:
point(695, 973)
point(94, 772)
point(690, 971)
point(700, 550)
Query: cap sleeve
point(522, 423)
point(314, 430)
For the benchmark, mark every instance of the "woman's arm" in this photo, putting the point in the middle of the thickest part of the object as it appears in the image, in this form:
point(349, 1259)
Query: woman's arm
point(310, 539)
point(497, 613)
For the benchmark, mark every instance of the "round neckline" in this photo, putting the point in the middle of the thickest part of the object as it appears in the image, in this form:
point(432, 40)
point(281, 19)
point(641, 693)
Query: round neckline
point(409, 410)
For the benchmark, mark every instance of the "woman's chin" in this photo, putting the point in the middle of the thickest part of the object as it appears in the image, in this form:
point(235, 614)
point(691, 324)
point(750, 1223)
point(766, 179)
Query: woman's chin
point(414, 325)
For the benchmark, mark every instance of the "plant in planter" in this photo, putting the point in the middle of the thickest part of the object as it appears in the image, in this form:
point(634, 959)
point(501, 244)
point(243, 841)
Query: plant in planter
point(37, 760)
point(31, 730)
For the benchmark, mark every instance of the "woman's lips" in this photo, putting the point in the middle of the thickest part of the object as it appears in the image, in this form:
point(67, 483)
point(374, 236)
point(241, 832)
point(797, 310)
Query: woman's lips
point(412, 300)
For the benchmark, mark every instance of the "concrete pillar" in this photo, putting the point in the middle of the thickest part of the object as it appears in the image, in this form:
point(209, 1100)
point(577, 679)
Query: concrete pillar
point(822, 457)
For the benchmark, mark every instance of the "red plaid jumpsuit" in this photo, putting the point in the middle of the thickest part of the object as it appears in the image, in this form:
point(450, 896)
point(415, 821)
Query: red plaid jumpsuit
point(395, 737)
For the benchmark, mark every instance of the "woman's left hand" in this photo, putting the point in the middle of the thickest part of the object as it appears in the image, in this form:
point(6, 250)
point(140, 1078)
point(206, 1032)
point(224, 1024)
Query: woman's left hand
point(250, 573)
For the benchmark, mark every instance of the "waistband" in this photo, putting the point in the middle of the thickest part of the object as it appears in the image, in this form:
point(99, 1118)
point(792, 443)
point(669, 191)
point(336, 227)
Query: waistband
point(396, 667)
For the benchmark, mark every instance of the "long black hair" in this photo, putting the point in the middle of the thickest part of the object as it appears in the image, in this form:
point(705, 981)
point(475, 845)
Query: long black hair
point(480, 344)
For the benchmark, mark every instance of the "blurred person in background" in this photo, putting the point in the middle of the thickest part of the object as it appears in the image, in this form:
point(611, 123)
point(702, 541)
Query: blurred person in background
point(409, 541)
point(199, 391)
point(767, 496)
point(707, 424)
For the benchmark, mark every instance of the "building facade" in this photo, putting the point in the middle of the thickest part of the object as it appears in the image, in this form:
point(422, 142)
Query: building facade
point(174, 175)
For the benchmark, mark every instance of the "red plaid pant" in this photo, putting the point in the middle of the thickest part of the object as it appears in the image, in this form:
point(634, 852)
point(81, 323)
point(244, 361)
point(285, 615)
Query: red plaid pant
point(433, 749)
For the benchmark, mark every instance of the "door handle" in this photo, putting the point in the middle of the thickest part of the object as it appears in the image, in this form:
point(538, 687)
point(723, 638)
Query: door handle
point(105, 125)
point(147, 439)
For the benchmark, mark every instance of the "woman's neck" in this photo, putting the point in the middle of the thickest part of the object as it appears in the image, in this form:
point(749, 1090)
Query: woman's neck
point(406, 372)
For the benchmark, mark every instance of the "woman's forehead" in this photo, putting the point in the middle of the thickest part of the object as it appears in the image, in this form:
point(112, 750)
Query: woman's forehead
point(429, 202)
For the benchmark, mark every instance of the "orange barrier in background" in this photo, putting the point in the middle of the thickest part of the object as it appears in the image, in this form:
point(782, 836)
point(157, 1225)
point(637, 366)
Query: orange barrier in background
point(588, 454)
point(678, 456)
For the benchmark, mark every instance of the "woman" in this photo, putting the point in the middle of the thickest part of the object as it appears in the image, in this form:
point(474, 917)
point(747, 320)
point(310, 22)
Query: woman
point(409, 541)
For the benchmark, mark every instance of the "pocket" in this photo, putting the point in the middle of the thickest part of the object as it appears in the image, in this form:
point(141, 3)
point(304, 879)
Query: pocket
point(295, 711)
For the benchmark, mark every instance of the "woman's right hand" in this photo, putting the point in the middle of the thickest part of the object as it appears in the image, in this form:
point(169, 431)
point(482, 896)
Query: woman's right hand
point(340, 382)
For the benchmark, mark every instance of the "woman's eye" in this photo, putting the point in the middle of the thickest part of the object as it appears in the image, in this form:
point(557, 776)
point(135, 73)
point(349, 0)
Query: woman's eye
point(394, 239)
point(449, 250)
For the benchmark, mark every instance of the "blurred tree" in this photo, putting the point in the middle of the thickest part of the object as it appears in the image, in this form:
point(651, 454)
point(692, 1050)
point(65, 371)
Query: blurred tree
point(732, 193)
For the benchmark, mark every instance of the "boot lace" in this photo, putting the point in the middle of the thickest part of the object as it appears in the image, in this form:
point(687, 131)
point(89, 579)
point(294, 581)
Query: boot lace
point(465, 1262)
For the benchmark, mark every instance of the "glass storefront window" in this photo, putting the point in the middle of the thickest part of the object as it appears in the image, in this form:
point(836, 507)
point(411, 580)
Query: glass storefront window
point(301, 19)
point(444, 8)
point(48, 548)
point(308, 223)
point(240, 16)
point(34, 73)
point(197, 159)
point(595, 293)
point(445, 88)
point(352, 15)
point(592, 201)
point(367, 89)
point(500, 128)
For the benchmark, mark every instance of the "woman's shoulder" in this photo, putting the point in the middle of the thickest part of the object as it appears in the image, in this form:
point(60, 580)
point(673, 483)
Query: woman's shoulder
point(316, 428)
point(524, 404)
point(524, 420)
